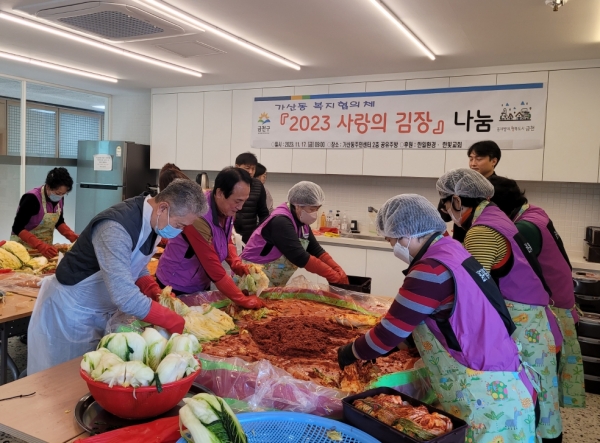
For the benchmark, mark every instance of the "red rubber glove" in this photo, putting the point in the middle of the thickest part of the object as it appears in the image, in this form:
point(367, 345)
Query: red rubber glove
point(231, 291)
point(165, 318)
point(67, 233)
point(329, 261)
point(235, 262)
point(316, 266)
point(45, 249)
point(149, 287)
point(2, 243)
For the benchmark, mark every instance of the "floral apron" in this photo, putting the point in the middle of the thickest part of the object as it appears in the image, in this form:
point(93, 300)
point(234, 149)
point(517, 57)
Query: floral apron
point(45, 230)
point(571, 388)
point(281, 270)
point(495, 404)
point(539, 351)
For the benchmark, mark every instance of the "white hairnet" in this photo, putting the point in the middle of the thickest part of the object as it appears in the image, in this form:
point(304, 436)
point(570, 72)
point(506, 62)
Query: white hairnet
point(306, 194)
point(464, 183)
point(409, 215)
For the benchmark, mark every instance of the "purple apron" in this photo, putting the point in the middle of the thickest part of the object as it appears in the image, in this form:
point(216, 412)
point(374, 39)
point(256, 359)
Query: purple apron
point(256, 243)
point(521, 284)
point(187, 274)
point(35, 221)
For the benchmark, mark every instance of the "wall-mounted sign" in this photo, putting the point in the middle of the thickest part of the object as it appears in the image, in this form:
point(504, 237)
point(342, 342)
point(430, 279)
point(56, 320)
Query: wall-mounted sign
point(444, 118)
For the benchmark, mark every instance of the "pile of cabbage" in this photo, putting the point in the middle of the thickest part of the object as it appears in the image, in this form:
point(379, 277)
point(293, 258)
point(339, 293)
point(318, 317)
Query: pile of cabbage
point(205, 322)
point(255, 282)
point(14, 255)
point(148, 359)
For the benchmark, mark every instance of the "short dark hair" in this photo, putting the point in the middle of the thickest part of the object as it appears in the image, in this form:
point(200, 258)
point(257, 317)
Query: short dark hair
point(260, 170)
point(228, 178)
point(167, 176)
point(507, 195)
point(247, 158)
point(58, 177)
point(168, 166)
point(486, 148)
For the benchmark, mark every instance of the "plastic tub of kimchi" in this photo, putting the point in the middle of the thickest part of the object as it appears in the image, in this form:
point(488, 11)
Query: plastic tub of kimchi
point(393, 417)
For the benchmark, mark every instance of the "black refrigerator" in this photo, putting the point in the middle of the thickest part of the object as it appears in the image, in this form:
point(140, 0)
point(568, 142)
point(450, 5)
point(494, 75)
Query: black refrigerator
point(109, 172)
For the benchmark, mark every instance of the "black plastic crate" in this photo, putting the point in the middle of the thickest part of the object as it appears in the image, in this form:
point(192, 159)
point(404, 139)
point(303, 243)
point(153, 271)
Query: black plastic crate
point(588, 303)
point(592, 384)
point(387, 434)
point(357, 284)
point(589, 346)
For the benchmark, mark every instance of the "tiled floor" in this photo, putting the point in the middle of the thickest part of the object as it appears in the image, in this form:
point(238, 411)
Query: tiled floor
point(580, 425)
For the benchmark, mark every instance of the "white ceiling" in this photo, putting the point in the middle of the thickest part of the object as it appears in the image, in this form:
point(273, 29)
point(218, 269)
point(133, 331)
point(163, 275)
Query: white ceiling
point(328, 38)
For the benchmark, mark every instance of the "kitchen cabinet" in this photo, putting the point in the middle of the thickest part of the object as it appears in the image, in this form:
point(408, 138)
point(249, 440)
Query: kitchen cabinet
point(386, 272)
point(190, 129)
point(217, 130)
point(572, 130)
point(277, 160)
point(352, 260)
point(163, 130)
point(241, 122)
point(418, 162)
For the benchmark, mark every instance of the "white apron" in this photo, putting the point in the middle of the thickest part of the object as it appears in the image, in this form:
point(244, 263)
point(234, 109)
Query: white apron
point(61, 326)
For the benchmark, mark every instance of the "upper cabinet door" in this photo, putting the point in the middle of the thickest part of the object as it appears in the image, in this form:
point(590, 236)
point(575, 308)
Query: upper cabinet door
point(241, 122)
point(164, 130)
point(277, 160)
point(217, 130)
point(522, 164)
point(190, 129)
point(423, 163)
point(572, 130)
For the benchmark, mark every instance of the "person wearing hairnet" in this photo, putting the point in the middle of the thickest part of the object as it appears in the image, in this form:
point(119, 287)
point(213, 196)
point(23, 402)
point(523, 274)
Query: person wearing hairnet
point(495, 242)
point(284, 242)
point(535, 225)
point(458, 320)
point(193, 260)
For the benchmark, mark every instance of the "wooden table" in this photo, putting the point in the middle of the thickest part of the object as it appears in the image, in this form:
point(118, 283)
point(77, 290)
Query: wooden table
point(14, 308)
point(48, 416)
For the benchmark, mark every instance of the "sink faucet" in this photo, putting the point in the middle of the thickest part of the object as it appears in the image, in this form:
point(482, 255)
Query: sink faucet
point(372, 209)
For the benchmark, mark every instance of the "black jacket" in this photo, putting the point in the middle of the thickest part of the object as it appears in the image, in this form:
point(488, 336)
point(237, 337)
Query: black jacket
point(254, 211)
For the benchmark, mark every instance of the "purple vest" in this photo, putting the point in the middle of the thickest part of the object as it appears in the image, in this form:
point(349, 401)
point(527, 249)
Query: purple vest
point(187, 274)
point(485, 342)
point(521, 284)
point(555, 268)
point(35, 221)
point(256, 243)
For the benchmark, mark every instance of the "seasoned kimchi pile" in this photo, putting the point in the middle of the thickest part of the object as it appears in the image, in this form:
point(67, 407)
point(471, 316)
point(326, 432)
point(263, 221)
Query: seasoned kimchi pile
point(302, 338)
point(415, 421)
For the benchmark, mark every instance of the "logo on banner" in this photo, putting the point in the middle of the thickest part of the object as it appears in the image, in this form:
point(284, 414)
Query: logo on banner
point(263, 119)
point(512, 114)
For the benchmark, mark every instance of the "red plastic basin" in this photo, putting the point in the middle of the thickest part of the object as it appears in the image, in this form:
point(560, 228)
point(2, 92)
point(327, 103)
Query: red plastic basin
point(148, 402)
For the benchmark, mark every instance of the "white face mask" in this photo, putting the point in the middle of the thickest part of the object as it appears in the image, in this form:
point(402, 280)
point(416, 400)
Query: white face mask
point(457, 221)
point(308, 218)
point(402, 253)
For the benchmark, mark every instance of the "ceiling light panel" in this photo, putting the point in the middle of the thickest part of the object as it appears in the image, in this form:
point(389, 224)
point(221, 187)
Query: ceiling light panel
point(202, 25)
point(97, 44)
point(385, 10)
point(56, 67)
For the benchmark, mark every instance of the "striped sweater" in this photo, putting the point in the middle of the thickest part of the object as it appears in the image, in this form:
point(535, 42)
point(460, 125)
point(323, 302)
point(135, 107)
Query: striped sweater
point(427, 291)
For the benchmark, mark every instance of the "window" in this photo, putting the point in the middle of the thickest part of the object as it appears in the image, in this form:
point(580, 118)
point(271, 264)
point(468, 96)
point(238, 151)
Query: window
point(51, 131)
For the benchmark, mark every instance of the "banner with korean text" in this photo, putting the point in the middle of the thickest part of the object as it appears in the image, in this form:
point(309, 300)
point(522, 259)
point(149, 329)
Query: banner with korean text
point(447, 118)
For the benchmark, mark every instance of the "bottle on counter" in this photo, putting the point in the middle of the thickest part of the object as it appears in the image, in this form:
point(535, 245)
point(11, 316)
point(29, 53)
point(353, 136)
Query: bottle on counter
point(329, 219)
point(337, 222)
point(345, 229)
point(323, 220)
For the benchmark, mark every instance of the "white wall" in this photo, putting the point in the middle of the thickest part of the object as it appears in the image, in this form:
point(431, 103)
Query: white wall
point(130, 117)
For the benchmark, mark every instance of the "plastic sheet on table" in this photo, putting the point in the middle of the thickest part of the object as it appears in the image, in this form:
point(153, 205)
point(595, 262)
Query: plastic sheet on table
point(261, 386)
point(20, 283)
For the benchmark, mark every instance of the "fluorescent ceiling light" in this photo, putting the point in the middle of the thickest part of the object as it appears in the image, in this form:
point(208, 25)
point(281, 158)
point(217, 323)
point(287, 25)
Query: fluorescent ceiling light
point(43, 111)
point(205, 26)
point(396, 20)
point(56, 67)
point(99, 107)
point(97, 44)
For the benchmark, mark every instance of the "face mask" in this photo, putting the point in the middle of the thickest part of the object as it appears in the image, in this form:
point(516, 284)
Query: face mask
point(457, 221)
point(402, 253)
point(308, 218)
point(55, 198)
point(168, 231)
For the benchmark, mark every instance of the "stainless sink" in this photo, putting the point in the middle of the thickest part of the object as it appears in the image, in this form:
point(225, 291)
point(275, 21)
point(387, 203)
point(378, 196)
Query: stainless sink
point(366, 237)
